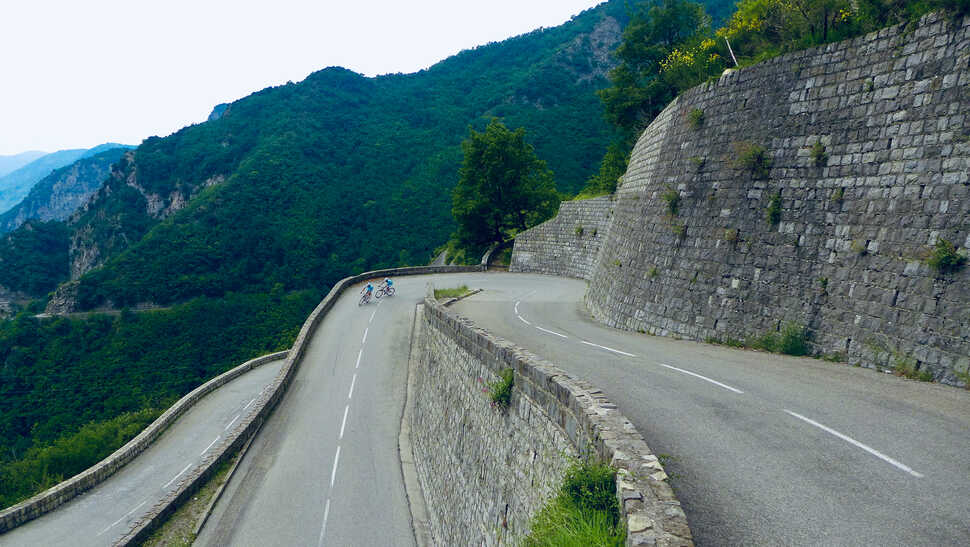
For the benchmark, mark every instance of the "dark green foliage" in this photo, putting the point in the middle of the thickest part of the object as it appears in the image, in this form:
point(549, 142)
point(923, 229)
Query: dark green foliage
point(791, 340)
point(592, 486)
point(584, 513)
point(819, 156)
point(47, 464)
point(58, 374)
point(503, 188)
point(945, 258)
point(752, 158)
point(672, 198)
point(34, 257)
point(695, 118)
point(612, 167)
point(638, 92)
point(773, 211)
point(500, 391)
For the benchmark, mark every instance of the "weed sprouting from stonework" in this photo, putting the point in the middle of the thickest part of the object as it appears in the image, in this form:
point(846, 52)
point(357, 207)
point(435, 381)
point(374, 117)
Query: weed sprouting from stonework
point(695, 118)
point(500, 391)
point(773, 212)
point(945, 258)
point(819, 156)
point(672, 198)
point(752, 157)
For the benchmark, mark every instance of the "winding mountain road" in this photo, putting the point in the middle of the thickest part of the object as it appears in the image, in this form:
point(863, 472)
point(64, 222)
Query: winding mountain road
point(762, 449)
point(102, 515)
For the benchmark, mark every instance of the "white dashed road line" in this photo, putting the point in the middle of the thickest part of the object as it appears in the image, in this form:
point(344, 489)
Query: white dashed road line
point(359, 355)
point(705, 378)
point(551, 332)
point(608, 349)
point(857, 444)
point(186, 468)
point(232, 422)
point(210, 446)
point(344, 423)
point(333, 474)
point(323, 527)
point(249, 403)
point(364, 341)
point(350, 394)
point(117, 522)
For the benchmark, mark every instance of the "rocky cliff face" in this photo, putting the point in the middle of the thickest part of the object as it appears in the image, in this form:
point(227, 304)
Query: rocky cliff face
point(119, 213)
point(59, 194)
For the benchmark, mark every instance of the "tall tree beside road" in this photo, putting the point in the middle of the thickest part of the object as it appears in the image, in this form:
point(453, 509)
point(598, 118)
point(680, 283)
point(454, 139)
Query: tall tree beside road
point(503, 186)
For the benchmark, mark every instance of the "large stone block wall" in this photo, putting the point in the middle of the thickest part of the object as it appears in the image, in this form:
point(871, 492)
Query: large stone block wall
point(567, 244)
point(848, 257)
point(485, 471)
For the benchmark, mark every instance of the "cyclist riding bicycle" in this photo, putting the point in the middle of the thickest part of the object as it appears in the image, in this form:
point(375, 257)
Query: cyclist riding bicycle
point(366, 293)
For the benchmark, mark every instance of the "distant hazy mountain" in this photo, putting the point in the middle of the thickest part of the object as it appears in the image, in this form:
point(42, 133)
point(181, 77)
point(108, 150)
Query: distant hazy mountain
point(16, 161)
point(60, 193)
point(14, 186)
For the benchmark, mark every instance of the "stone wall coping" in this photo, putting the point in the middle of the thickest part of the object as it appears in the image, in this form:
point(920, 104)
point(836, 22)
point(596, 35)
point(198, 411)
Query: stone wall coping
point(248, 425)
point(649, 507)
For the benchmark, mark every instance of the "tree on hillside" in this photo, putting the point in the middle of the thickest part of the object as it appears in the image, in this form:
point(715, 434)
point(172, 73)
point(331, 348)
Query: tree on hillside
point(638, 93)
point(503, 187)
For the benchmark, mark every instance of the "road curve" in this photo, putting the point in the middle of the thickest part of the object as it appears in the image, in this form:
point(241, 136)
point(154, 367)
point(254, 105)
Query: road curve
point(103, 514)
point(763, 449)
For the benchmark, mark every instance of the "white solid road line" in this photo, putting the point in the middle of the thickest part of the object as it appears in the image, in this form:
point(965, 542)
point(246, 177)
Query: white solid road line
point(210, 446)
point(117, 522)
point(323, 527)
point(364, 341)
point(232, 422)
point(359, 355)
point(517, 307)
point(166, 485)
point(608, 349)
point(350, 394)
point(857, 444)
point(551, 332)
point(705, 378)
point(336, 460)
point(344, 423)
point(523, 320)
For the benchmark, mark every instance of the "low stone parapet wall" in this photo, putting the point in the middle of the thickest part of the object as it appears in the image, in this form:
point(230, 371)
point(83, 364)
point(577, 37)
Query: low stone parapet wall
point(567, 244)
point(486, 471)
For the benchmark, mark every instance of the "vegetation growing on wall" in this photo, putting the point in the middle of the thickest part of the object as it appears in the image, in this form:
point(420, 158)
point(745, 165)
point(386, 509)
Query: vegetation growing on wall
point(585, 511)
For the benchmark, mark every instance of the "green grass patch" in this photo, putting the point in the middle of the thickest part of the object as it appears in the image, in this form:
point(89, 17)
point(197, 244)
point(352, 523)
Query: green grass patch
point(791, 339)
point(584, 513)
point(945, 258)
point(500, 391)
point(454, 292)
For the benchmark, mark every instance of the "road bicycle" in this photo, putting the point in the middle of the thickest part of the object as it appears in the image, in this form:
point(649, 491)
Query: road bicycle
point(384, 290)
point(364, 298)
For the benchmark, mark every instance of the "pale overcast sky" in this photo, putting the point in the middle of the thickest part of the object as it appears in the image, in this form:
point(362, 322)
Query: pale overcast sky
point(76, 73)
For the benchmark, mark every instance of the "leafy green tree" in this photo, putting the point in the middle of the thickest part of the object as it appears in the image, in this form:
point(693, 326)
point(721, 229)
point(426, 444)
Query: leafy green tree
point(612, 168)
point(503, 186)
point(638, 93)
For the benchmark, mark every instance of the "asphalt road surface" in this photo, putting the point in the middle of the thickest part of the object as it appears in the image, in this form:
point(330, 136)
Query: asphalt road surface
point(104, 513)
point(762, 449)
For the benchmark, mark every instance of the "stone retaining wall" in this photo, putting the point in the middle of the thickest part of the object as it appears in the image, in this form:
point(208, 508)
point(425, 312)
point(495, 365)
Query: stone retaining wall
point(567, 244)
point(486, 471)
point(858, 218)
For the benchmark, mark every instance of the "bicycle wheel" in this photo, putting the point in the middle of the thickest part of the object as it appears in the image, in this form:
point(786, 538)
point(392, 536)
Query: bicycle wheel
point(363, 300)
point(380, 293)
point(390, 291)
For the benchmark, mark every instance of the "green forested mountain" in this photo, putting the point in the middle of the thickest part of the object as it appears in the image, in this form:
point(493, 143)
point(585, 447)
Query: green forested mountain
point(305, 183)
